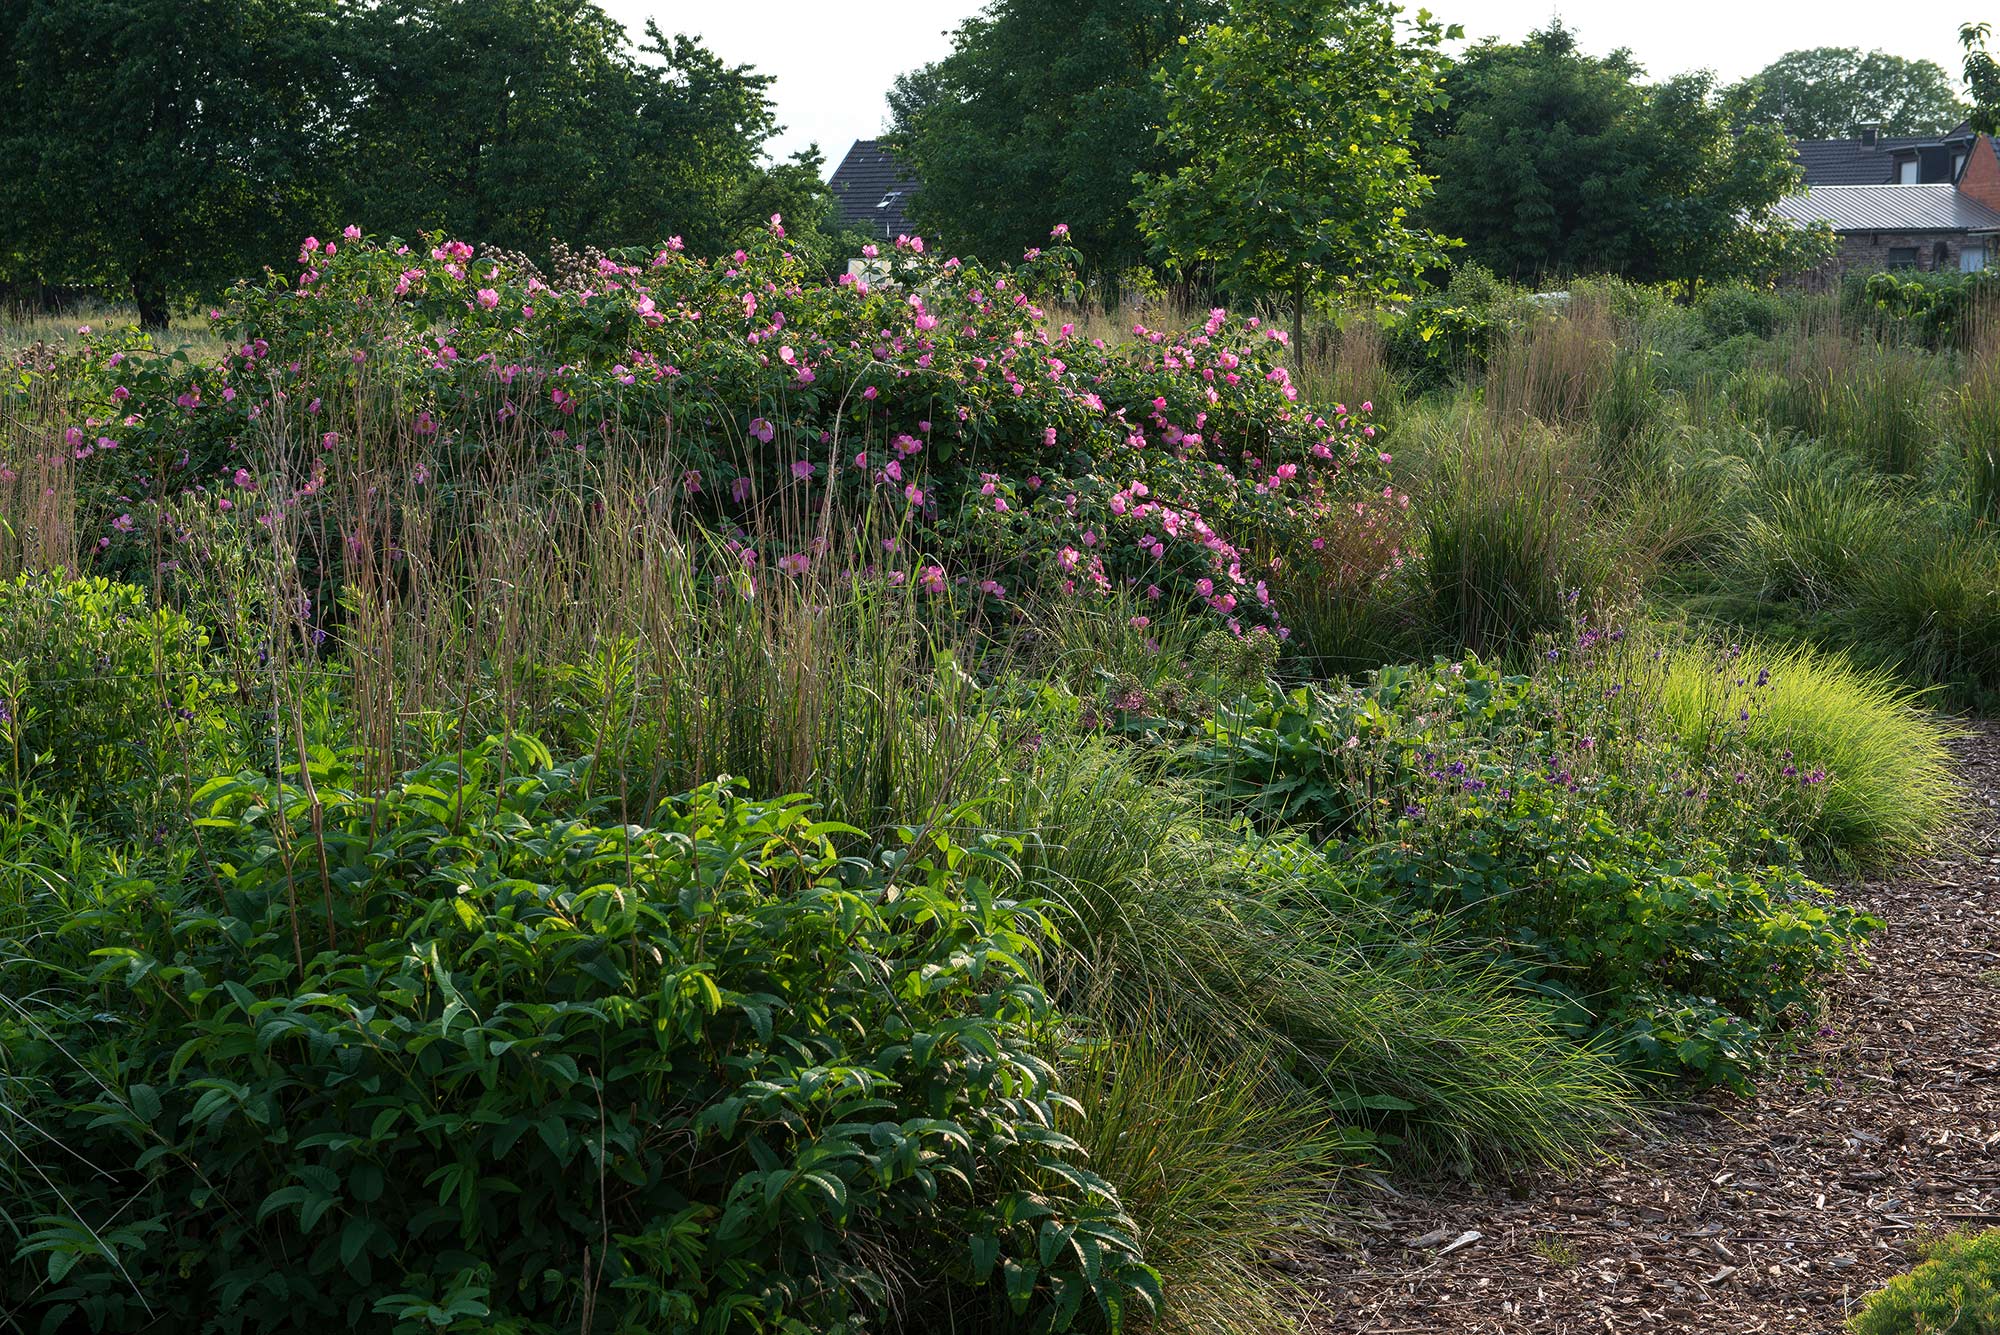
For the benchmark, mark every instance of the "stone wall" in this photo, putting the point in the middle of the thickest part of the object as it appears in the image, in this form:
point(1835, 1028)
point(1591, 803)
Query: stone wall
point(1870, 251)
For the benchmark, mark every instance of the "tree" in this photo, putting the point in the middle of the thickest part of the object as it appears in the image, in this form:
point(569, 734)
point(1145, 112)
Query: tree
point(1553, 162)
point(1825, 92)
point(1294, 123)
point(1042, 114)
point(159, 146)
point(518, 121)
point(1982, 77)
point(167, 147)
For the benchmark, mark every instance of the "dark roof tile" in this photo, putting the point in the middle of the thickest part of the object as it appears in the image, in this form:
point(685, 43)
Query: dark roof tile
point(872, 189)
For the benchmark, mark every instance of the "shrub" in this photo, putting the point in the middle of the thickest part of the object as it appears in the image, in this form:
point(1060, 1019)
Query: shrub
point(1956, 1291)
point(101, 698)
point(1731, 310)
point(1615, 866)
point(459, 1050)
point(936, 398)
point(1443, 336)
point(1655, 945)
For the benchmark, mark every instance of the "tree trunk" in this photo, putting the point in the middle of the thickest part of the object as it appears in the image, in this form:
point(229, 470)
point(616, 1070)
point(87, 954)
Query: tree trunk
point(149, 294)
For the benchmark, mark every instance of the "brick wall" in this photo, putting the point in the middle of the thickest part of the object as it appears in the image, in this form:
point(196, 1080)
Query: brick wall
point(1870, 250)
point(1981, 178)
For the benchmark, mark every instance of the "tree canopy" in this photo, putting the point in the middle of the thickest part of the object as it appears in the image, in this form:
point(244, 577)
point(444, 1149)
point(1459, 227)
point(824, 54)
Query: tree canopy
point(1294, 122)
point(1551, 161)
point(155, 144)
point(1043, 113)
point(1982, 77)
point(1826, 92)
point(165, 147)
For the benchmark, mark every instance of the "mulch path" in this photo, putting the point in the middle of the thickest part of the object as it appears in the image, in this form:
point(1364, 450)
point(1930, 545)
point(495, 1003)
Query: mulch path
point(1775, 1213)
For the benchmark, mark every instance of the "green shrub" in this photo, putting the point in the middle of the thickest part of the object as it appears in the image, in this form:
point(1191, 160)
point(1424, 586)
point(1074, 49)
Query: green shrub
point(1656, 946)
point(1546, 815)
point(467, 1052)
point(1443, 336)
point(1731, 310)
point(1956, 1291)
point(101, 698)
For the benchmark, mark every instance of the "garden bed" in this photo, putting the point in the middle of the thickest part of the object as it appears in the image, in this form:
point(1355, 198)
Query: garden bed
point(1773, 1213)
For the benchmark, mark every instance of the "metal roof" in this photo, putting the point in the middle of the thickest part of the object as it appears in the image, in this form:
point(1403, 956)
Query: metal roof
point(872, 189)
point(1890, 208)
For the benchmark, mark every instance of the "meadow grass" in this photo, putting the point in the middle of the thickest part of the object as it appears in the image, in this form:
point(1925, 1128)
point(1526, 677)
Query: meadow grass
point(1886, 787)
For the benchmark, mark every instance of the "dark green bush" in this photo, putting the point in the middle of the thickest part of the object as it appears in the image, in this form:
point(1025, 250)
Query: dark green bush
point(471, 1061)
point(101, 697)
point(1443, 335)
point(1956, 1291)
point(1731, 310)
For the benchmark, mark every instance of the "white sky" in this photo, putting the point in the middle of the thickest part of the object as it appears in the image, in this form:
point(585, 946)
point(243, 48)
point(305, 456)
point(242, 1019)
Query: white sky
point(835, 59)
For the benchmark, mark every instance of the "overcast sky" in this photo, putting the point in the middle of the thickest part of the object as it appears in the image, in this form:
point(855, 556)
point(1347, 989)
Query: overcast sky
point(835, 59)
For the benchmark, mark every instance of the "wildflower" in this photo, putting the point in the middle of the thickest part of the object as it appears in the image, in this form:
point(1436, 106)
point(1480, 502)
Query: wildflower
point(802, 468)
point(762, 430)
point(795, 564)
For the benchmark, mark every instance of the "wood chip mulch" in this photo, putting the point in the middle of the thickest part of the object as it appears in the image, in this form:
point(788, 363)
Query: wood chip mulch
point(1773, 1214)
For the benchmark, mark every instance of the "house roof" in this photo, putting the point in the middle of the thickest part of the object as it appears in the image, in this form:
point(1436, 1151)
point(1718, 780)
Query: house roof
point(872, 189)
point(1850, 162)
point(1890, 208)
point(1855, 162)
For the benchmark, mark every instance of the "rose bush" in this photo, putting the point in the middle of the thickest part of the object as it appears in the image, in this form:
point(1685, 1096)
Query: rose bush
point(937, 396)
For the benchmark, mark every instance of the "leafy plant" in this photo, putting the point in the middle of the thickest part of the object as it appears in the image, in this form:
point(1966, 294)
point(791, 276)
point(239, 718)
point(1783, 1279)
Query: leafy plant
point(102, 698)
point(462, 1047)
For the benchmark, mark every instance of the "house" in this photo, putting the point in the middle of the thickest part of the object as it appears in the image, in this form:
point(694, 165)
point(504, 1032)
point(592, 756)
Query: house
point(872, 190)
point(1902, 202)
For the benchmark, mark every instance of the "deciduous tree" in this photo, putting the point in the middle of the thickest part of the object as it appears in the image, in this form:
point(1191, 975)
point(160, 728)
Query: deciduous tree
point(1042, 114)
point(1293, 122)
point(1552, 162)
point(154, 147)
point(1825, 92)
